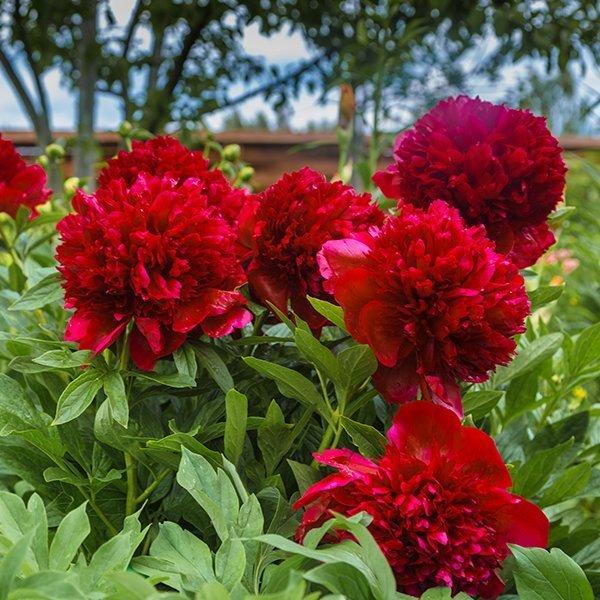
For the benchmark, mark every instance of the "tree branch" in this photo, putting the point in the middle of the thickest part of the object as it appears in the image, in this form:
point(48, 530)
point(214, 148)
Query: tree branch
point(44, 115)
point(21, 92)
point(135, 17)
point(271, 85)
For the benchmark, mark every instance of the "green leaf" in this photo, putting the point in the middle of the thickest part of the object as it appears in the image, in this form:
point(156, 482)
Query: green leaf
point(190, 556)
point(319, 355)
point(185, 361)
point(542, 575)
point(77, 396)
point(567, 484)
point(290, 383)
point(64, 358)
point(479, 404)
point(114, 388)
point(367, 439)
point(275, 437)
point(213, 491)
point(587, 348)
point(10, 565)
point(305, 475)
point(544, 295)
point(530, 477)
point(42, 293)
point(230, 562)
point(212, 591)
point(214, 365)
point(342, 579)
point(443, 594)
point(530, 357)
point(174, 380)
point(236, 410)
point(357, 363)
point(71, 533)
point(331, 312)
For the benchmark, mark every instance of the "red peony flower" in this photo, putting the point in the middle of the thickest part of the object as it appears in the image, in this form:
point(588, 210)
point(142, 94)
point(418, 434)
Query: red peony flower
point(441, 512)
point(20, 185)
point(500, 167)
point(288, 226)
point(155, 253)
point(431, 297)
point(166, 157)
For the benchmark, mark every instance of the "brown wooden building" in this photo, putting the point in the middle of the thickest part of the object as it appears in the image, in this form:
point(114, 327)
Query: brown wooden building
point(270, 153)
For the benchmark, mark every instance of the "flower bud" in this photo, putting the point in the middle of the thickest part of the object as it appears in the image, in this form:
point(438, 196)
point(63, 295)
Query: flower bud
point(55, 152)
point(125, 129)
point(232, 152)
point(43, 161)
point(72, 184)
point(246, 174)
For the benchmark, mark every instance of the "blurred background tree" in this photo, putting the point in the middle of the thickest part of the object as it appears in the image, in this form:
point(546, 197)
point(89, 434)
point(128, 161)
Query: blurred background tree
point(176, 61)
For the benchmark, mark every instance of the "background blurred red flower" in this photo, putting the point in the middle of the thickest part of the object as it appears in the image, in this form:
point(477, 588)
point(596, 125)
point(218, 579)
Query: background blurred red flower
point(154, 252)
point(164, 156)
point(441, 512)
point(431, 297)
point(290, 223)
point(20, 185)
point(500, 167)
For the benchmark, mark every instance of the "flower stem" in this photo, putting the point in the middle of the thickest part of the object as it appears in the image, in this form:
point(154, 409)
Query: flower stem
point(131, 468)
point(148, 491)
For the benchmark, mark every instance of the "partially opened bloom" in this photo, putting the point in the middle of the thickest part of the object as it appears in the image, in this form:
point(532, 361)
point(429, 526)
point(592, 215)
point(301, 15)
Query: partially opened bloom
point(155, 253)
point(20, 185)
point(441, 511)
point(500, 167)
point(164, 156)
point(431, 297)
point(290, 223)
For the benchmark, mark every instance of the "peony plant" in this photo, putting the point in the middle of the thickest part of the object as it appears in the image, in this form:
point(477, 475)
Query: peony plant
point(212, 393)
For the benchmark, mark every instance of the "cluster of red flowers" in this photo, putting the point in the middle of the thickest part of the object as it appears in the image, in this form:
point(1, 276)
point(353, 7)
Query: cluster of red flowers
point(164, 244)
point(500, 167)
point(154, 245)
point(438, 498)
point(20, 185)
point(431, 297)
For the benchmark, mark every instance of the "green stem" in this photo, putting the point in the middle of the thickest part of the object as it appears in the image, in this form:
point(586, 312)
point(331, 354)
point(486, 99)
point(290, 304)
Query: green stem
point(148, 491)
point(131, 468)
point(101, 514)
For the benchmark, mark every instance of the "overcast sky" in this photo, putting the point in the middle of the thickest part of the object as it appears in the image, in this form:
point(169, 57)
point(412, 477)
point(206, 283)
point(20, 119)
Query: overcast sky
point(280, 49)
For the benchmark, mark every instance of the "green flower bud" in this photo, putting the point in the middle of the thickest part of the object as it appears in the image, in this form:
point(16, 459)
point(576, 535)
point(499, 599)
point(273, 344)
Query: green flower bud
point(125, 129)
point(72, 184)
point(232, 152)
point(246, 174)
point(43, 161)
point(55, 152)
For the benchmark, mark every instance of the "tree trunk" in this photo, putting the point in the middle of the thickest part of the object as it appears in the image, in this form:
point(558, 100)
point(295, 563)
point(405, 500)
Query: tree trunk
point(86, 151)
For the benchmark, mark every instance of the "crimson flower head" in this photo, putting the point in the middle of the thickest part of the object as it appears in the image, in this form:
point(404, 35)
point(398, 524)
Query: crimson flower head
point(438, 498)
point(290, 223)
point(153, 253)
point(164, 156)
point(431, 297)
point(500, 167)
point(20, 185)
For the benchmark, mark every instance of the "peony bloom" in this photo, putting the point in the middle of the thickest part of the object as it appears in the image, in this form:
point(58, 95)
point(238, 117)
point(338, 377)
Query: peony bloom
point(500, 167)
point(20, 185)
point(441, 512)
point(290, 223)
point(153, 253)
point(431, 297)
point(164, 156)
